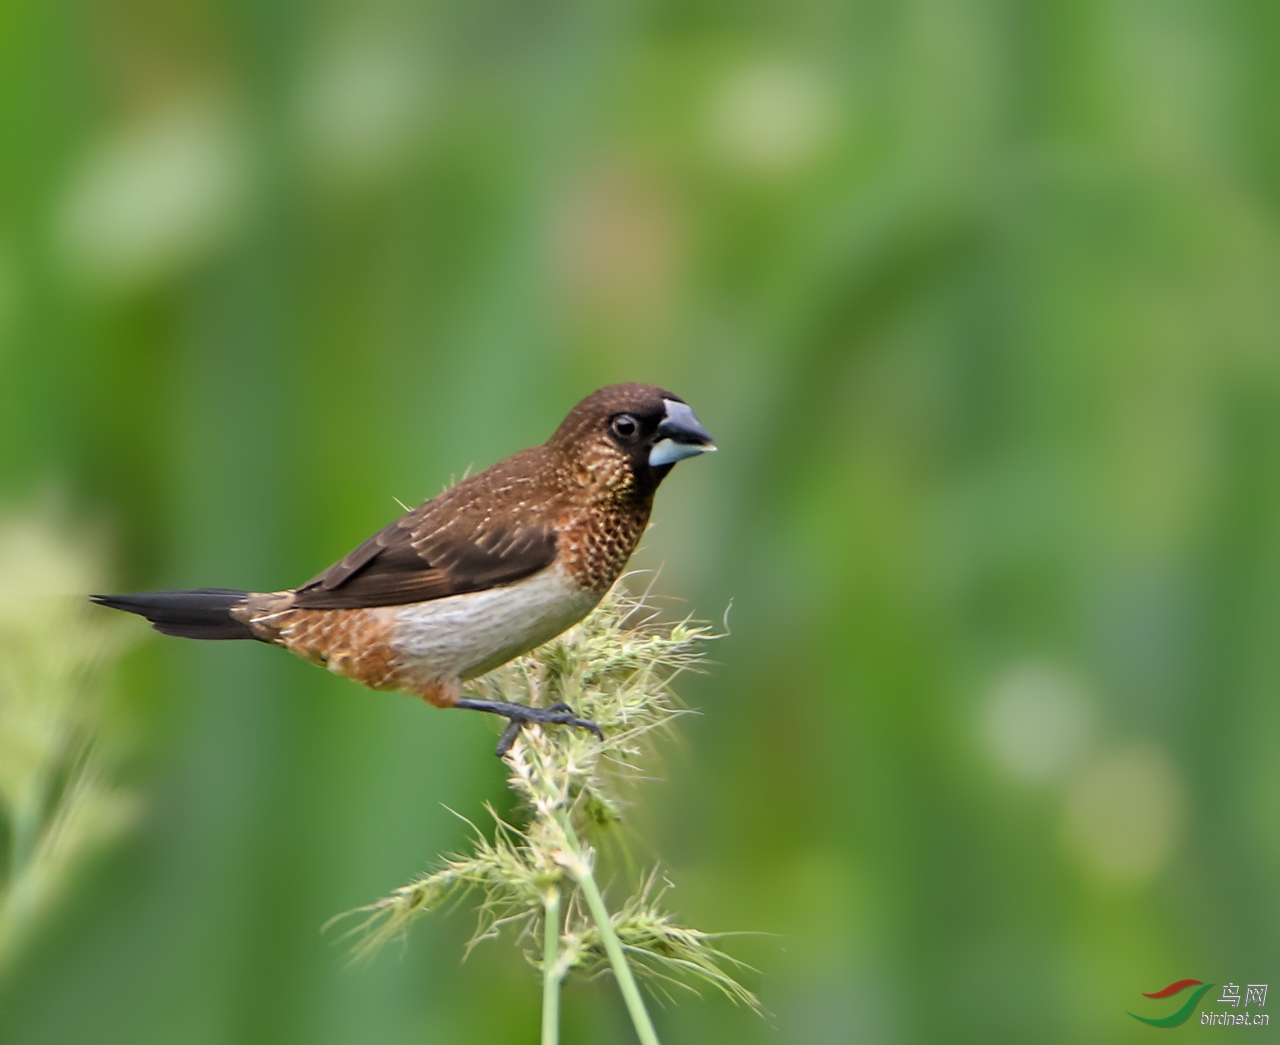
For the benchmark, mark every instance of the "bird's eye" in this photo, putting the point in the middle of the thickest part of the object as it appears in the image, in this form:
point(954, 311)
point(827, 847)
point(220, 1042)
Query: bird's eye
point(624, 426)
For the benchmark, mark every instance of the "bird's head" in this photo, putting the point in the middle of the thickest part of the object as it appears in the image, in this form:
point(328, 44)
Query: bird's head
point(625, 438)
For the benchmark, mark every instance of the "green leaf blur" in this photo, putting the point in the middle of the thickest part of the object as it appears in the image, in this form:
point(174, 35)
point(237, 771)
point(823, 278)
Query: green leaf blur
point(982, 303)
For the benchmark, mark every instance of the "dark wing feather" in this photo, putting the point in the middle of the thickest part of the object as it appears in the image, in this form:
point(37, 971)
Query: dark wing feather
point(423, 556)
point(358, 558)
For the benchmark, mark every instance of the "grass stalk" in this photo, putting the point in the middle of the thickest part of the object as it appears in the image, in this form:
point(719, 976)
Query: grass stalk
point(552, 971)
point(580, 868)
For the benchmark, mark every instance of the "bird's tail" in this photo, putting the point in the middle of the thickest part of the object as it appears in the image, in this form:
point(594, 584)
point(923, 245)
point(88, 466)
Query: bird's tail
point(201, 613)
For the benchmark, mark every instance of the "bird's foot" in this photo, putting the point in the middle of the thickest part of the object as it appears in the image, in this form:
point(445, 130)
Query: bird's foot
point(518, 715)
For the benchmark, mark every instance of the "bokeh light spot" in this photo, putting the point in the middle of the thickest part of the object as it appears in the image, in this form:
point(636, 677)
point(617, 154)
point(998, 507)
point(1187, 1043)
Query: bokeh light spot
point(359, 107)
point(1124, 815)
point(1036, 722)
point(770, 117)
point(152, 198)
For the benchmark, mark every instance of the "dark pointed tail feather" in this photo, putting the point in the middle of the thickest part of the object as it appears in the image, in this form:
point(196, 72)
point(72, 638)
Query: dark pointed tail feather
point(202, 613)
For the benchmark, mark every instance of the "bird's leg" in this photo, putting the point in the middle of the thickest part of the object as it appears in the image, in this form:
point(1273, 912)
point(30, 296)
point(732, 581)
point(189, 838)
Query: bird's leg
point(520, 714)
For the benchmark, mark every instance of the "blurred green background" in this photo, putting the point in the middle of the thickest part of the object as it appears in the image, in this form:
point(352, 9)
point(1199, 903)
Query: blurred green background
point(982, 303)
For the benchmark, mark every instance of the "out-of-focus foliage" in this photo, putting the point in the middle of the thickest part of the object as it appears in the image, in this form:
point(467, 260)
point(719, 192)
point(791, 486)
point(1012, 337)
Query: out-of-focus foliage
point(57, 799)
point(981, 303)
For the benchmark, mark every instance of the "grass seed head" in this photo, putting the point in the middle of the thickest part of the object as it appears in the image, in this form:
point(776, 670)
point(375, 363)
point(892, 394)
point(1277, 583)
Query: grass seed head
point(615, 668)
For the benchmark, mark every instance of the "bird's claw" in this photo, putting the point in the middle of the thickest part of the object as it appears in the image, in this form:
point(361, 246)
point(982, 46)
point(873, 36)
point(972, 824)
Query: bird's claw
point(518, 715)
point(514, 725)
point(556, 714)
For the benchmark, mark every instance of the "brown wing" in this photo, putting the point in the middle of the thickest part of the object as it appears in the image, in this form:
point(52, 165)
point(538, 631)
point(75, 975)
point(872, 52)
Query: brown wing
point(477, 535)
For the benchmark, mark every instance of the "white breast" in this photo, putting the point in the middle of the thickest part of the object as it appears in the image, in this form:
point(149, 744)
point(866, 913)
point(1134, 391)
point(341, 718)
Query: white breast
point(467, 635)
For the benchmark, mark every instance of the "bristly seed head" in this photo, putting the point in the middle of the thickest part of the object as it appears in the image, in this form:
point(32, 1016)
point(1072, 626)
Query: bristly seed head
point(615, 668)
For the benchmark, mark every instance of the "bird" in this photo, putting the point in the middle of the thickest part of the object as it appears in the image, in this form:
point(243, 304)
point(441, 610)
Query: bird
point(492, 567)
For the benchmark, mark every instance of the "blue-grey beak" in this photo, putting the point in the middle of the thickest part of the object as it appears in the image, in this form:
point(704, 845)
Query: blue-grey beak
point(680, 435)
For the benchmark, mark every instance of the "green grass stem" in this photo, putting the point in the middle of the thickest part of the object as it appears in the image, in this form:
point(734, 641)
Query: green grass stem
point(580, 869)
point(552, 972)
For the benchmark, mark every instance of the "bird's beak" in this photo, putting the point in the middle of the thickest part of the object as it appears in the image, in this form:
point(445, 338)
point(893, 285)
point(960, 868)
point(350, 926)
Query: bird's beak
point(680, 435)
